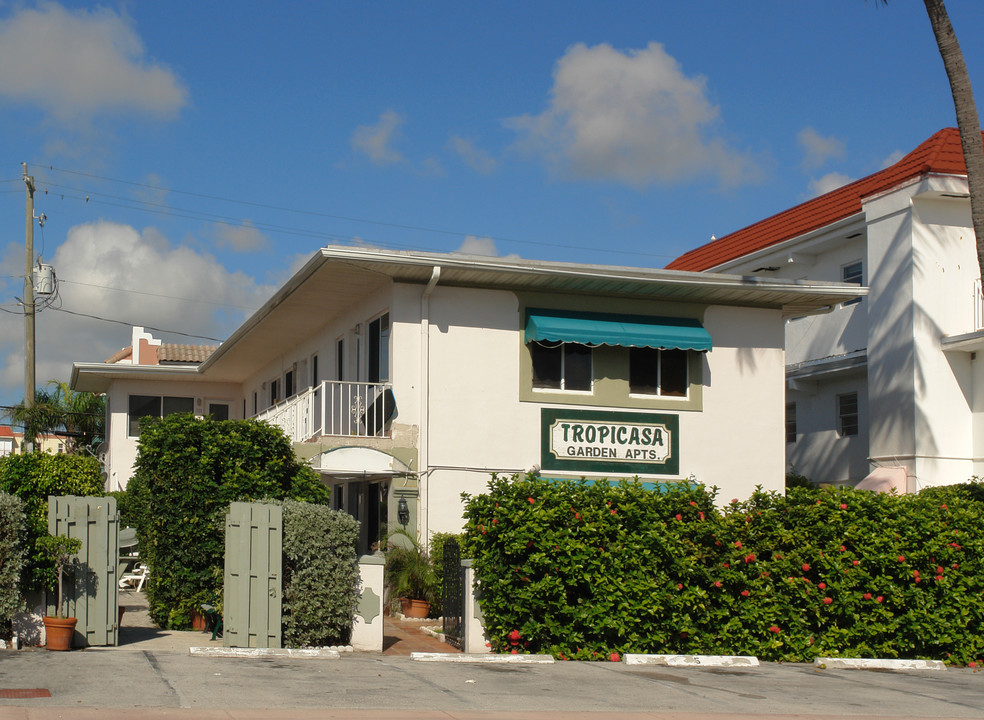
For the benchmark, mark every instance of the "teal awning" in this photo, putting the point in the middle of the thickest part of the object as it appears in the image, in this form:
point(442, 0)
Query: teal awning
point(622, 330)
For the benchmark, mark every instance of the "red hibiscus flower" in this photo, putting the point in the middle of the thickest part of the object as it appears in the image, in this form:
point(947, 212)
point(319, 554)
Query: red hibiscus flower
point(827, 600)
point(738, 544)
point(867, 596)
point(515, 635)
point(531, 500)
point(744, 593)
point(717, 583)
point(750, 558)
point(614, 657)
point(775, 629)
point(843, 506)
point(879, 599)
point(822, 586)
point(806, 568)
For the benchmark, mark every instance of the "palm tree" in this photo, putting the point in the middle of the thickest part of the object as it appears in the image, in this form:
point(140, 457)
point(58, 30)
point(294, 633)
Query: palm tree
point(967, 119)
point(79, 417)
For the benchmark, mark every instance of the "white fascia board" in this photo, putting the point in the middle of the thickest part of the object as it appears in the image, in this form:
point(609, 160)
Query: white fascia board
point(95, 377)
point(808, 244)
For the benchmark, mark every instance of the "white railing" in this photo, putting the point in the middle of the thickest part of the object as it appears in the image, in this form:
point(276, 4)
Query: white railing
point(344, 409)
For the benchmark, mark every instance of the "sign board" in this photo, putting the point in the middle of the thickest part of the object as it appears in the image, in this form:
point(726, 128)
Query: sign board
point(597, 441)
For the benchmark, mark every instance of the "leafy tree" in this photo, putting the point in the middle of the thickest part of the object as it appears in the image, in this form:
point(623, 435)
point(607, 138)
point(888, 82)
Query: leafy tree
point(187, 472)
point(78, 416)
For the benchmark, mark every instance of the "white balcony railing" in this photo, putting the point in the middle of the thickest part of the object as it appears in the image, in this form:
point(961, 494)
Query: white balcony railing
point(344, 409)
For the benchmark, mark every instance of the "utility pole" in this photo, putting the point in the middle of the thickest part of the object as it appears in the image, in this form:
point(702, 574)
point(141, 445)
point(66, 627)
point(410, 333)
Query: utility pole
point(29, 305)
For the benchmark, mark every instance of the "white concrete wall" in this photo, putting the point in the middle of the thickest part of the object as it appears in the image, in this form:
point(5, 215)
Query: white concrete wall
point(122, 450)
point(479, 425)
point(820, 452)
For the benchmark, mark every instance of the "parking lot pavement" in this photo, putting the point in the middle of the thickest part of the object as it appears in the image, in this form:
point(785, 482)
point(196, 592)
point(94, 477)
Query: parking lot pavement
point(149, 682)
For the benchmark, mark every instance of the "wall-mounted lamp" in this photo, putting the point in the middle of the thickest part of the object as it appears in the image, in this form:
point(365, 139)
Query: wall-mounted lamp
point(403, 512)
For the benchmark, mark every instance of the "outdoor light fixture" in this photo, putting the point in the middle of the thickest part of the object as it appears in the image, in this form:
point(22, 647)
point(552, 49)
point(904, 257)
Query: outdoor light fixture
point(403, 512)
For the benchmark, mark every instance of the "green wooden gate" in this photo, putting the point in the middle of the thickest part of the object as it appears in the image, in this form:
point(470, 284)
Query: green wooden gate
point(253, 575)
point(91, 589)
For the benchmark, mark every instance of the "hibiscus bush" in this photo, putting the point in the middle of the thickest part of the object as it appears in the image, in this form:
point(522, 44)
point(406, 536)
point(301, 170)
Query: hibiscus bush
point(594, 570)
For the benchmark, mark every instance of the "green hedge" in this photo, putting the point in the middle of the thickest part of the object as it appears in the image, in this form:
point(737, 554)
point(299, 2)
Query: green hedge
point(13, 526)
point(594, 571)
point(321, 575)
point(32, 478)
point(187, 472)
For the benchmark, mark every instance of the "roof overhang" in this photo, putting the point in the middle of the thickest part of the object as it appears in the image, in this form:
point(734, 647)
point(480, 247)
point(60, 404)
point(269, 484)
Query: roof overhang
point(828, 366)
point(96, 377)
point(336, 278)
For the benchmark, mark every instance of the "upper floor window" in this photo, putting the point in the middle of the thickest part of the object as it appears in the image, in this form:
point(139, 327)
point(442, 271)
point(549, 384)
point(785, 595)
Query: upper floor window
point(141, 406)
point(847, 414)
point(561, 366)
point(290, 383)
point(655, 371)
point(379, 334)
point(853, 273)
point(274, 391)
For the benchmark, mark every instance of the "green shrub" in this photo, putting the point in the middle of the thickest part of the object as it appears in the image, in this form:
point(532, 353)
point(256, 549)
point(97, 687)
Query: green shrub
point(187, 472)
point(585, 571)
point(321, 575)
point(32, 478)
point(123, 508)
point(13, 526)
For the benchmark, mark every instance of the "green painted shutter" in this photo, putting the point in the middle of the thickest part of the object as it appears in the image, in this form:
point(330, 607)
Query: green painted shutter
point(253, 575)
point(90, 584)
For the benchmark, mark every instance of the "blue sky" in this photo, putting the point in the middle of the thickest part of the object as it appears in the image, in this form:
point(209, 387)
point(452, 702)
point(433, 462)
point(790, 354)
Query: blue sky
point(188, 156)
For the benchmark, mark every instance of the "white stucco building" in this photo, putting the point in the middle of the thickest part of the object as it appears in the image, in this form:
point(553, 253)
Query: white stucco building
point(892, 379)
point(405, 376)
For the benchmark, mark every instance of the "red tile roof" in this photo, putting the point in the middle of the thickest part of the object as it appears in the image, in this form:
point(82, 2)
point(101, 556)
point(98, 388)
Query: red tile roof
point(5, 431)
point(942, 153)
point(178, 353)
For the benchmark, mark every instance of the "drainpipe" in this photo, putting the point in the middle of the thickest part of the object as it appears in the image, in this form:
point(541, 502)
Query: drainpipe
point(423, 472)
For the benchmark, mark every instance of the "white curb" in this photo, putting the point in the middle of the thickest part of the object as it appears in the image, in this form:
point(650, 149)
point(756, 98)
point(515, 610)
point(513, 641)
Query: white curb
point(877, 664)
point(692, 660)
point(322, 653)
point(482, 658)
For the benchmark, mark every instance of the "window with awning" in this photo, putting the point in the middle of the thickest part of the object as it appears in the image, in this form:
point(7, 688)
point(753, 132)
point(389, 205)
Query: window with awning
point(657, 348)
point(593, 329)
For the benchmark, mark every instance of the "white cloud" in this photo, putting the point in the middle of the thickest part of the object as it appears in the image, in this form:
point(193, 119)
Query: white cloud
point(102, 255)
point(240, 238)
point(376, 140)
point(818, 149)
point(630, 117)
point(472, 155)
point(475, 245)
point(75, 64)
point(829, 182)
point(893, 158)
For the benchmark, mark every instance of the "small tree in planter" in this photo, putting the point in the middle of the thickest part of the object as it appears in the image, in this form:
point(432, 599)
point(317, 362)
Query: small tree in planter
point(59, 629)
point(410, 576)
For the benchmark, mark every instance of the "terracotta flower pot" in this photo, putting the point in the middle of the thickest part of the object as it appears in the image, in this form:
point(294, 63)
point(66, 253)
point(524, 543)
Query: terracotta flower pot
point(58, 632)
point(197, 620)
point(415, 608)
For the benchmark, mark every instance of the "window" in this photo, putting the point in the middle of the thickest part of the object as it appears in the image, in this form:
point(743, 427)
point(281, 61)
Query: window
point(218, 411)
point(141, 406)
point(561, 366)
point(847, 414)
point(315, 380)
point(289, 384)
point(274, 391)
point(379, 333)
point(654, 371)
point(340, 360)
point(853, 273)
point(791, 422)
point(255, 402)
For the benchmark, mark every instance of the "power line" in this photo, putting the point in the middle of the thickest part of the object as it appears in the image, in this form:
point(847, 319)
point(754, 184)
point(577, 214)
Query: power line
point(157, 295)
point(130, 324)
point(347, 218)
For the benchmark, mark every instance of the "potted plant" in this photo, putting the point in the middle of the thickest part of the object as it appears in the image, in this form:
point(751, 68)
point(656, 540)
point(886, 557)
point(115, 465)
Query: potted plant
point(410, 575)
point(59, 629)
